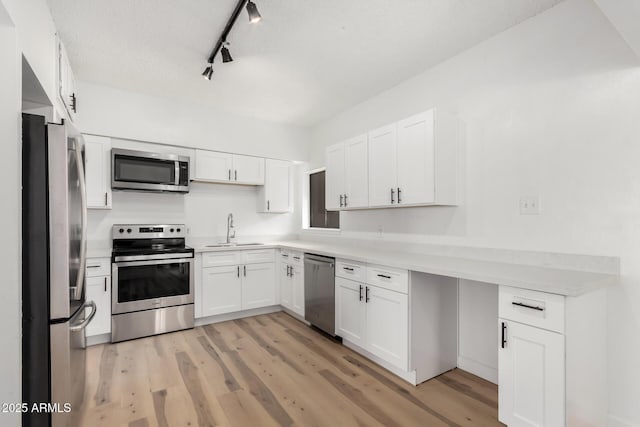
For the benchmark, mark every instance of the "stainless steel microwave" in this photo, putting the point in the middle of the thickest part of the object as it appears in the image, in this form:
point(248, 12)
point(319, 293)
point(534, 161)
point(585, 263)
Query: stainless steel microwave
point(142, 171)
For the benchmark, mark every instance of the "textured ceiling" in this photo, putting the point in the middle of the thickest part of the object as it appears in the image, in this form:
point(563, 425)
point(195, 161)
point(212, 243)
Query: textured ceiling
point(305, 61)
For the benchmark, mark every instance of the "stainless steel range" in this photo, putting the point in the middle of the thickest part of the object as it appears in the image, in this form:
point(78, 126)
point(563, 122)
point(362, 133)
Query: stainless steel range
point(153, 274)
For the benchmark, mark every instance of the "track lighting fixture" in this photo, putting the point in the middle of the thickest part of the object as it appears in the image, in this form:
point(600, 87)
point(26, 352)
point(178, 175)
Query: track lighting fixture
point(226, 55)
point(252, 10)
point(208, 72)
point(221, 44)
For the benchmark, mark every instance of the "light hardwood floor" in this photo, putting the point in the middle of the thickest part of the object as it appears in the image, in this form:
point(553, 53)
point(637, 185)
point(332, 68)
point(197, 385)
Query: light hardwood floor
point(267, 370)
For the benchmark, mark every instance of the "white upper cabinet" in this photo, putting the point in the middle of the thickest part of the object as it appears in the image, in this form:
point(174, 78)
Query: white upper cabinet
point(416, 159)
point(248, 170)
point(334, 177)
point(412, 162)
point(383, 175)
point(347, 174)
point(275, 196)
point(97, 152)
point(67, 90)
point(356, 162)
point(213, 166)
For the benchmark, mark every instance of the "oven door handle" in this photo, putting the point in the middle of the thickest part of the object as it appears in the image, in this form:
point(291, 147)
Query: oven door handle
point(153, 262)
point(158, 257)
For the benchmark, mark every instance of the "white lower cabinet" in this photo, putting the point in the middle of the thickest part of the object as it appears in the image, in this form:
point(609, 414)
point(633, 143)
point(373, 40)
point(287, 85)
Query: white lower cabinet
point(258, 285)
point(375, 319)
point(99, 291)
point(292, 282)
point(297, 278)
point(221, 290)
point(228, 285)
point(531, 376)
point(387, 325)
point(552, 358)
point(350, 312)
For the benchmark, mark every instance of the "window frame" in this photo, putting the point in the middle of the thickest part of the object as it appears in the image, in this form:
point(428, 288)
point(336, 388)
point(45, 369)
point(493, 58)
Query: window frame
point(306, 206)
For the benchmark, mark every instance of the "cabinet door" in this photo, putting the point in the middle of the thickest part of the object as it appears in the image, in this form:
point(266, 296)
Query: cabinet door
point(66, 82)
point(297, 281)
point(258, 285)
point(213, 166)
point(356, 178)
point(382, 167)
point(221, 290)
point(350, 311)
point(248, 170)
point(97, 152)
point(530, 376)
point(286, 287)
point(387, 325)
point(416, 159)
point(99, 291)
point(277, 184)
point(334, 177)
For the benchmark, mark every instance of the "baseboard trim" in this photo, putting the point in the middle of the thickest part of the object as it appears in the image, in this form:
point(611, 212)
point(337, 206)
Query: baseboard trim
point(409, 377)
point(620, 422)
point(237, 315)
point(479, 369)
point(99, 339)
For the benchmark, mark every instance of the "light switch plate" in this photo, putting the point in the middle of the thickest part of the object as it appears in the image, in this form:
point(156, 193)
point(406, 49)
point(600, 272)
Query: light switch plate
point(530, 205)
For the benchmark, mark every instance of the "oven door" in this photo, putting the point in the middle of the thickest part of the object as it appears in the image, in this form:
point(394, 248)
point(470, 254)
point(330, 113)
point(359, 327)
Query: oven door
point(147, 284)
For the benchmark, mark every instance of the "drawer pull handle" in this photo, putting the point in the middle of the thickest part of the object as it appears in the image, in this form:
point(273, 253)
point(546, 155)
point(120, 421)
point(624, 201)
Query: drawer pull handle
point(93, 266)
point(296, 257)
point(348, 268)
point(532, 307)
point(504, 335)
point(384, 276)
point(366, 295)
point(360, 292)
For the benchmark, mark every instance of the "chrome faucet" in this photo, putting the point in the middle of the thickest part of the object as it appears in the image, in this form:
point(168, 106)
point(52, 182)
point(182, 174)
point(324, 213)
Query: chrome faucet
point(230, 228)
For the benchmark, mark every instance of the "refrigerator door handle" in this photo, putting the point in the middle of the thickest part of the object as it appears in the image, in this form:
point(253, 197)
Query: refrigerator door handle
point(88, 319)
point(79, 288)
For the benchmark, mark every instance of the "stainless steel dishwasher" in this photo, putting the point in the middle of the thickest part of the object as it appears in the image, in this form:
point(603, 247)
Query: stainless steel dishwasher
point(319, 292)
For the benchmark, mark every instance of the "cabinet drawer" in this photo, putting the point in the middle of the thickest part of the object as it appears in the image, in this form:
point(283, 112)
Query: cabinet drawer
point(98, 267)
point(296, 258)
point(351, 270)
point(533, 308)
point(389, 278)
point(215, 259)
point(260, 255)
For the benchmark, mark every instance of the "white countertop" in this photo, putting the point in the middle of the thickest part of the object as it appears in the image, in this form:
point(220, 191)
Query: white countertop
point(545, 279)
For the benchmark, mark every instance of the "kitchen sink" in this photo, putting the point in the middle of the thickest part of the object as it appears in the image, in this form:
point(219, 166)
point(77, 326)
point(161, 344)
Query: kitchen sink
point(228, 245)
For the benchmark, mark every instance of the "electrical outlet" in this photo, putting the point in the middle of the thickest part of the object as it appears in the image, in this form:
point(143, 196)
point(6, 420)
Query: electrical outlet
point(530, 205)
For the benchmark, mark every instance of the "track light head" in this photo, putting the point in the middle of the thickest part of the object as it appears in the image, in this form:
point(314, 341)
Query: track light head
point(252, 10)
point(226, 55)
point(208, 72)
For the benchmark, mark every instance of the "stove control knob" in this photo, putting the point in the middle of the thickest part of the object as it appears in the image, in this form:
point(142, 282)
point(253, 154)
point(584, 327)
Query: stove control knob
point(171, 230)
point(121, 230)
point(178, 230)
point(128, 230)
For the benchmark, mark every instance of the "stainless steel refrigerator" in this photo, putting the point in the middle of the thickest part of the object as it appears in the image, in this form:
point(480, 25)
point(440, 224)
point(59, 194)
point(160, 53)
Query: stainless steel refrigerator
point(54, 311)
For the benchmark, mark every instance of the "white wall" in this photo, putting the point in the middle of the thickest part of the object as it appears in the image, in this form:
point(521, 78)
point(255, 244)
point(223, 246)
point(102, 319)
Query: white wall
point(122, 114)
point(204, 209)
point(36, 34)
point(10, 251)
point(551, 109)
point(127, 116)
